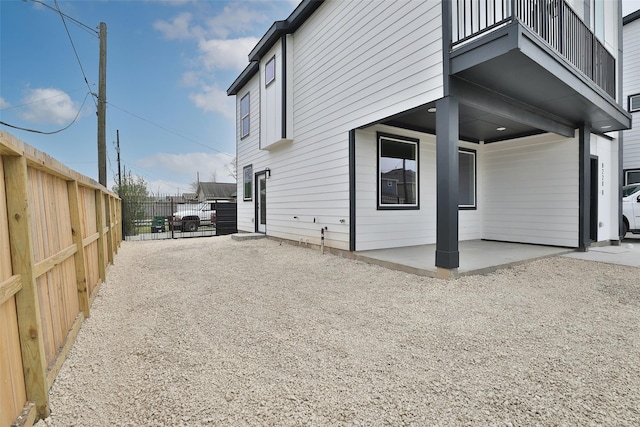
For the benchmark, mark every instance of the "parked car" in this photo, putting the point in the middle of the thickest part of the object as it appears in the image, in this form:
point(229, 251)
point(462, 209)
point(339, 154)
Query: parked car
point(631, 209)
point(190, 217)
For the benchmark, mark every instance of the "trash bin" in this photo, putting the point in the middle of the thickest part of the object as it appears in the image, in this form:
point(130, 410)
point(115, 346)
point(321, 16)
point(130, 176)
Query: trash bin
point(157, 224)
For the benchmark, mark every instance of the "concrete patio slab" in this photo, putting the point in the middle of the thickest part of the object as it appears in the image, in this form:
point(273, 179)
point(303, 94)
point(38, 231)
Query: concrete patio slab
point(247, 236)
point(627, 253)
point(476, 257)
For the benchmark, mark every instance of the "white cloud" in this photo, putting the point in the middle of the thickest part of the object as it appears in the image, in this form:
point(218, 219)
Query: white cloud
point(162, 188)
point(235, 18)
point(190, 79)
point(214, 99)
point(49, 105)
point(226, 54)
point(184, 167)
point(180, 28)
point(4, 103)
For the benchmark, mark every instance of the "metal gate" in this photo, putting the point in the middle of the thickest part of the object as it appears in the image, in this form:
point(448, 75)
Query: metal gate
point(172, 217)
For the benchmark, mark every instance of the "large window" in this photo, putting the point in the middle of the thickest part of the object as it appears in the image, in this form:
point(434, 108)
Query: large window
point(397, 172)
point(466, 179)
point(270, 71)
point(247, 180)
point(634, 103)
point(244, 115)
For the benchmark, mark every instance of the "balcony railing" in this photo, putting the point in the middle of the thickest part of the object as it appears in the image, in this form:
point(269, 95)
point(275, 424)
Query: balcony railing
point(553, 20)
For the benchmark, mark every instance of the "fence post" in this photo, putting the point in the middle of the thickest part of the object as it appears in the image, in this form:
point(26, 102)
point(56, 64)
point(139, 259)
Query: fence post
point(100, 226)
point(77, 233)
point(34, 359)
point(109, 217)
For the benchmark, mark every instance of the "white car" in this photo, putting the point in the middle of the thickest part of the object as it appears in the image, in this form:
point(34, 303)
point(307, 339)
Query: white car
point(190, 217)
point(631, 209)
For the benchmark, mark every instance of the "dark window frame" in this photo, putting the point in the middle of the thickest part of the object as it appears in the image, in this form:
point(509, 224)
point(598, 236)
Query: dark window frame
point(270, 62)
point(246, 116)
point(474, 206)
point(247, 171)
point(627, 172)
point(635, 95)
point(400, 139)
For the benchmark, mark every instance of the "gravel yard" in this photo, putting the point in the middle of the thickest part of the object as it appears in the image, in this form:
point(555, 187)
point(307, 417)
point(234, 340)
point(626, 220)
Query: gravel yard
point(211, 331)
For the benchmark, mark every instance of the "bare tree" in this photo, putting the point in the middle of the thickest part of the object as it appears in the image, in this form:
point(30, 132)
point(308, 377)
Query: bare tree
point(232, 168)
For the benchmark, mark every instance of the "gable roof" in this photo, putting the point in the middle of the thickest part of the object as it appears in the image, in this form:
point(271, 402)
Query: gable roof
point(217, 190)
point(270, 38)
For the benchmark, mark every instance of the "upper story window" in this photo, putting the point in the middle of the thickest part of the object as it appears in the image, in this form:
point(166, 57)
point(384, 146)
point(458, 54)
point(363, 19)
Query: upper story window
point(397, 172)
point(634, 103)
point(270, 71)
point(244, 115)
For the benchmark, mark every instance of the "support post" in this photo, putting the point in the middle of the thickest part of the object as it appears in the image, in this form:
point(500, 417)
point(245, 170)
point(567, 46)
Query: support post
point(109, 217)
point(584, 188)
point(77, 233)
point(102, 107)
point(447, 254)
point(34, 359)
point(102, 271)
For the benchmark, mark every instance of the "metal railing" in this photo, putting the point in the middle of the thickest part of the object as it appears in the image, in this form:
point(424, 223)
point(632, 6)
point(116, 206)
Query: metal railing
point(553, 20)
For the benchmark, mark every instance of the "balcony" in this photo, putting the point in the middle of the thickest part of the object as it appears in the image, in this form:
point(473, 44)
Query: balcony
point(552, 20)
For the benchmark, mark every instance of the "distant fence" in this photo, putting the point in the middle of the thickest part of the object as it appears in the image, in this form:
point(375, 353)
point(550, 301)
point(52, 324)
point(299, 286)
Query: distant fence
point(151, 218)
point(59, 230)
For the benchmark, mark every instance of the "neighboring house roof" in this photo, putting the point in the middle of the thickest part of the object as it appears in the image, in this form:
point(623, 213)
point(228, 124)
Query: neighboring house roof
point(271, 37)
point(217, 190)
point(631, 17)
point(399, 174)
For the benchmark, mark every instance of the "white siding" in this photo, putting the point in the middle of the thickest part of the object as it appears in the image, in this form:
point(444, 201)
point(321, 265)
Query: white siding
point(248, 153)
point(271, 100)
point(358, 62)
point(352, 63)
point(531, 190)
point(377, 229)
point(631, 86)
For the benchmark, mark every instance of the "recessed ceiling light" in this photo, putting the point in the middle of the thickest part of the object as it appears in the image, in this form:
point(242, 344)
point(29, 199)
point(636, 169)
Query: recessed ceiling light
point(501, 128)
point(605, 127)
point(431, 110)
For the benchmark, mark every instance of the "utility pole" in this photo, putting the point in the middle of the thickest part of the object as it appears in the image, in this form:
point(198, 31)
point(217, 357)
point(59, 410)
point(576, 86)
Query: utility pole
point(119, 170)
point(102, 107)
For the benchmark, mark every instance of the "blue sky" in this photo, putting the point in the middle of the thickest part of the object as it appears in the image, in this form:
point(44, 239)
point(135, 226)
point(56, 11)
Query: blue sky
point(169, 64)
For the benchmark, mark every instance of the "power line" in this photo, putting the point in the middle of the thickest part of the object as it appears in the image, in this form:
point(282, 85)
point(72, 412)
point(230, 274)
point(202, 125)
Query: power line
point(43, 99)
point(169, 130)
point(62, 15)
point(49, 133)
point(85, 27)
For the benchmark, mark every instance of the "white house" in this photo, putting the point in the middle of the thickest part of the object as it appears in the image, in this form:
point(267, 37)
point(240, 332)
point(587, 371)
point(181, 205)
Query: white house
point(392, 124)
point(631, 95)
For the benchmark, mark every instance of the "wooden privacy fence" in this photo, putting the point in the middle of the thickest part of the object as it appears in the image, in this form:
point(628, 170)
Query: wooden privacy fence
point(58, 232)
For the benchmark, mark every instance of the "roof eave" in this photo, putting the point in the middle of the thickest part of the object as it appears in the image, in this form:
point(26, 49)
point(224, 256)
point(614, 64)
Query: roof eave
point(301, 13)
point(631, 17)
point(243, 78)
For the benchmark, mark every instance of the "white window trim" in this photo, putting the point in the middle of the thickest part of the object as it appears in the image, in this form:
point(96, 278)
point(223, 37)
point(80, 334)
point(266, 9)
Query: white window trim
point(246, 116)
point(268, 81)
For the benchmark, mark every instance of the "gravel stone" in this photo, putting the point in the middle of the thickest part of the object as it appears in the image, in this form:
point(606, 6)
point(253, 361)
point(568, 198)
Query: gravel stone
point(211, 331)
